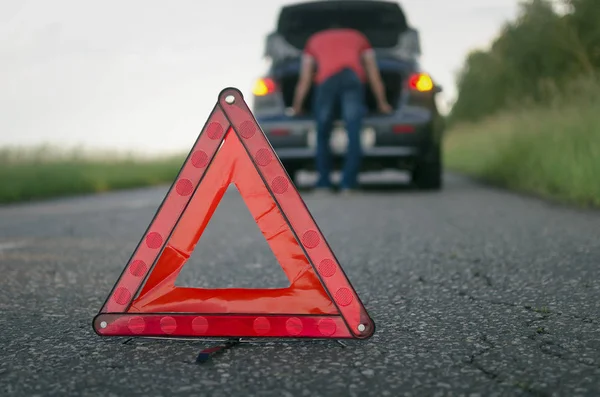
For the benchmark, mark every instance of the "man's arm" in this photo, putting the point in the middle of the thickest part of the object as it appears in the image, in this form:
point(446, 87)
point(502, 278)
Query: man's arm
point(304, 82)
point(375, 81)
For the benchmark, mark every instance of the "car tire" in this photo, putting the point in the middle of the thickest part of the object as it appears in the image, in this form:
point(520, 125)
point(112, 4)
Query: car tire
point(427, 174)
point(292, 171)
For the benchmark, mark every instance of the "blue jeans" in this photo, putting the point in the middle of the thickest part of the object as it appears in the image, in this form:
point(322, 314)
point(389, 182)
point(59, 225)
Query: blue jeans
point(346, 88)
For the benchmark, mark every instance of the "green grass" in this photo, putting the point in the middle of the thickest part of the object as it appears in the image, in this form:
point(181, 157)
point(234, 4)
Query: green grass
point(40, 173)
point(551, 152)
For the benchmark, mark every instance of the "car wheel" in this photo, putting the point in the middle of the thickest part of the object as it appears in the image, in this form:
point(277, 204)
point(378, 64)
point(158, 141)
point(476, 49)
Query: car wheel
point(292, 171)
point(427, 174)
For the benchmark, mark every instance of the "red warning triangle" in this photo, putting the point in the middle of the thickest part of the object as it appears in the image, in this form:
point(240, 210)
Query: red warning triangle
point(320, 301)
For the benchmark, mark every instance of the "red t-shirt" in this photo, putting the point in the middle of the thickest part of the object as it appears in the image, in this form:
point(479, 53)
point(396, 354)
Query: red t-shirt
point(336, 49)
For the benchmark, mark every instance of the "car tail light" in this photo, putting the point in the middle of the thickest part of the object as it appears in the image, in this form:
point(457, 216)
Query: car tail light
point(420, 82)
point(264, 87)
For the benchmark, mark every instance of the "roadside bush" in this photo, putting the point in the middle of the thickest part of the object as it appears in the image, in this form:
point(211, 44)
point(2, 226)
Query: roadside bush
point(533, 60)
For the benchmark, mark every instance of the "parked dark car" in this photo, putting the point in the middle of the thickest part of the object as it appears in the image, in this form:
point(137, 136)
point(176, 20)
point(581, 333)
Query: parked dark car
point(408, 139)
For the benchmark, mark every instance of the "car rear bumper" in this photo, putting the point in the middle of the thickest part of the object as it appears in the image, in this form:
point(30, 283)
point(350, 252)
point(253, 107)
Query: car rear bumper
point(404, 134)
point(378, 152)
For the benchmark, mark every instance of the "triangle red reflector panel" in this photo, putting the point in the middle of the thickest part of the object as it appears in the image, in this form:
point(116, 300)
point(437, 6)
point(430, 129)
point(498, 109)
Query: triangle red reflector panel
point(320, 301)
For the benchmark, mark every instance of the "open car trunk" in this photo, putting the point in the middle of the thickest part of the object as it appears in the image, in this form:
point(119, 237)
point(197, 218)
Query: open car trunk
point(382, 22)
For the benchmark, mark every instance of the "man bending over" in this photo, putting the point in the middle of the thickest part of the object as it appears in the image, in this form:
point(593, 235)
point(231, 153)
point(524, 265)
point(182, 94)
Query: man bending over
point(339, 61)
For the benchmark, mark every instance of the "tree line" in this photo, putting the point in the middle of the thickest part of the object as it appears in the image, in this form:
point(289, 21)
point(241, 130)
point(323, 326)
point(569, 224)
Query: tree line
point(534, 58)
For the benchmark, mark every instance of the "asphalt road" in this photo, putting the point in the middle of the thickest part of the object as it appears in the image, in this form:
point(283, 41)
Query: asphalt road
point(474, 291)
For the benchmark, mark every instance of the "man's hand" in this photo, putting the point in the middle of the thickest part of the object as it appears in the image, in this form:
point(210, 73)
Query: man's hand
point(304, 83)
point(297, 109)
point(385, 107)
point(374, 77)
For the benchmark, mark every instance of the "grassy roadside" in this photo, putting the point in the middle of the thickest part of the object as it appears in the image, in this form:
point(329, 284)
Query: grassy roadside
point(44, 173)
point(552, 152)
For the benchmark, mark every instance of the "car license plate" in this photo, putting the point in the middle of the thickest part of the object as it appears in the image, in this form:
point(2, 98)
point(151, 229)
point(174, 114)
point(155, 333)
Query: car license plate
point(339, 139)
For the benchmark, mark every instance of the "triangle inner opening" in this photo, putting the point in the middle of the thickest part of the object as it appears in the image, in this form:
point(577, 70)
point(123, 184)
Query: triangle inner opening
point(232, 252)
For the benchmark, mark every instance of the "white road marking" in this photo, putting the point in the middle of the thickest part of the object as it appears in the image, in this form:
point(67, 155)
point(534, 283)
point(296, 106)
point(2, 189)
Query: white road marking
point(11, 245)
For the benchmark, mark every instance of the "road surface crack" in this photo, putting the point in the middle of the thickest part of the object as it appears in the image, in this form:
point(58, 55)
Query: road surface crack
point(543, 310)
point(472, 359)
point(541, 337)
point(496, 376)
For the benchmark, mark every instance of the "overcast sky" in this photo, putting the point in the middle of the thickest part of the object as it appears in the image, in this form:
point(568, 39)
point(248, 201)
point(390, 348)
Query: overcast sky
point(143, 75)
